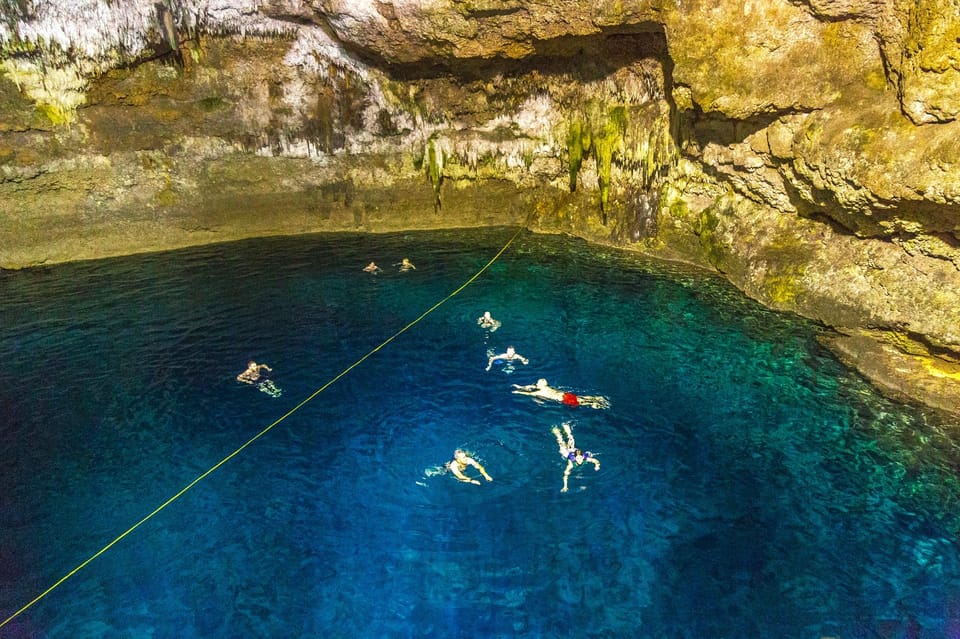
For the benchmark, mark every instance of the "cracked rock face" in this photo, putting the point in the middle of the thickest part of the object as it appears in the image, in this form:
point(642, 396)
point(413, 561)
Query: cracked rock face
point(807, 150)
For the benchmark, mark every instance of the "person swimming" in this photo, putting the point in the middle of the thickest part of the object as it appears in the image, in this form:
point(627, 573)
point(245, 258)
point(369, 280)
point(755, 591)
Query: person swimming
point(508, 356)
point(542, 390)
point(570, 452)
point(372, 268)
point(461, 460)
point(487, 322)
point(406, 265)
point(252, 374)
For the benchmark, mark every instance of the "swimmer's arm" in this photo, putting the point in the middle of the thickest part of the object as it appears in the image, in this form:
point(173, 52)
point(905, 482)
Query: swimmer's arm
point(266, 368)
point(483, 471)
point(595, 462)
point(243, 378)
point(525, 390)
point(490, 362)
point(459, 475)
point(566, 475)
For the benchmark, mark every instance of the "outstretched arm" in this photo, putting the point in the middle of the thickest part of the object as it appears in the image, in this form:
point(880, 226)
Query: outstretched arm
point(455, 469)
point(595, 462)
point(525, 390)
point(566, 476)
point(483, 471)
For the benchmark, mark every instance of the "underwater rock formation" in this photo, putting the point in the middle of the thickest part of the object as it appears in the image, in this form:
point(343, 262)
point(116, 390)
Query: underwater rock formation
point(806, 150)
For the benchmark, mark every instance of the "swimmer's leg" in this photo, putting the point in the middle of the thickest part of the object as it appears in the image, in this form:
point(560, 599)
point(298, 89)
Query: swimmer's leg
point(570, 441)
point(558, 435)
point(435, 470)
point(267, 386)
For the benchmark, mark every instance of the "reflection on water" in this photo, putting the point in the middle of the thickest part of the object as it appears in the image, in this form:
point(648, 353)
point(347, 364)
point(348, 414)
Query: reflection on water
point(750, 486)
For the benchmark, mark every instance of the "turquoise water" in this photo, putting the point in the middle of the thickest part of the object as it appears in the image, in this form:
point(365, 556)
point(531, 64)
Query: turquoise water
point(750, 486)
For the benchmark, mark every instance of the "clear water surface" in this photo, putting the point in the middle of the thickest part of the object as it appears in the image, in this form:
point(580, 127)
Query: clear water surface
point(750, 486)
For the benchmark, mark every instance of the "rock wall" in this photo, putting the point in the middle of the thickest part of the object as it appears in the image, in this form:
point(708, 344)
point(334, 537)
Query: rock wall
point(807, 150)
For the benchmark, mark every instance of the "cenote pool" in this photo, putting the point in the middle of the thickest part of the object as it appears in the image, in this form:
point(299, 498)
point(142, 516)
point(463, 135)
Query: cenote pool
point(750, 486)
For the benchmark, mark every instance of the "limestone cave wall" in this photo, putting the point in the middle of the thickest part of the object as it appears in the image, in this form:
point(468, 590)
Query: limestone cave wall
point(806, 150)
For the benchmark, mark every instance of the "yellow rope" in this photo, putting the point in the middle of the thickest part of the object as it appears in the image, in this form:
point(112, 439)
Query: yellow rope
point(261, 433)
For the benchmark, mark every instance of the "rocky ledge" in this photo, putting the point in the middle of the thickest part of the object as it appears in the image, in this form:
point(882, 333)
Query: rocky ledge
point(806, 150)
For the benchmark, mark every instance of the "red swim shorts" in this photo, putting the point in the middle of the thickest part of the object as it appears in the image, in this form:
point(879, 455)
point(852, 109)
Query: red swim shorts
point(570, 399)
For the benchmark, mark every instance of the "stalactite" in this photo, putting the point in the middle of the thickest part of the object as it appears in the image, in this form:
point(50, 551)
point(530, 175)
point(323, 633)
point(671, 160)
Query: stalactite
point(435, 160)
point(574, 152)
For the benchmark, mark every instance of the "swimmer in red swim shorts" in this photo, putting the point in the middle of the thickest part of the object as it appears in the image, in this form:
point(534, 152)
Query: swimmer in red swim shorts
point(570, 399)
point(542, 390)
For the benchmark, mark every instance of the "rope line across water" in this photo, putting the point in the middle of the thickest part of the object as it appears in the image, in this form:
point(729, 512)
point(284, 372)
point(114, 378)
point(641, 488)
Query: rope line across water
point(263, 432)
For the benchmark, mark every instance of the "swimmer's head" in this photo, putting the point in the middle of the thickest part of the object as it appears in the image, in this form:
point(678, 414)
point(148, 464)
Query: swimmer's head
point(541, 383)
point(578, 456)
point(251, 364)
point(459, 454)
point(510, 350)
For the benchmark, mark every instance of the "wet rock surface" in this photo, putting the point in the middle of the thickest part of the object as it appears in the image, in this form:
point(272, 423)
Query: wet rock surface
point(806, 151)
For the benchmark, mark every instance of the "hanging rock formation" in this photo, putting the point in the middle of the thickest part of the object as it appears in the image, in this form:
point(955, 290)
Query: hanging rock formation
point(807, 150)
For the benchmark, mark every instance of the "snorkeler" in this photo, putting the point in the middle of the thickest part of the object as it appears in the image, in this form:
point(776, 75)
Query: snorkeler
point(372, 268)
point(459, 464)
point(570, 452)
point(406, 265)
point(509, 356)
point(542, 390)
point(486, 321)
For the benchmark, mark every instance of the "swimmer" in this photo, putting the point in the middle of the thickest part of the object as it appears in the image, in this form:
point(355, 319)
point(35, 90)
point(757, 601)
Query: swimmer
point(406, 265)
point(542, 390)
point(570, 452)
point(372, 268)
point(459, 464)
point(486, 321)
point(252, 374)
point(509, 356)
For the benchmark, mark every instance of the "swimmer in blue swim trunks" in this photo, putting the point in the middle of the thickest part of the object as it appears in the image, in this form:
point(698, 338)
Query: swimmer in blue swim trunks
point(509, 356)
point(570, 452)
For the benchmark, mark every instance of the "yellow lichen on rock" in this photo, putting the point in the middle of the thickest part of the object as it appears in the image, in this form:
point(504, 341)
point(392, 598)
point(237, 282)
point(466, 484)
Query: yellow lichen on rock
point(57, 91)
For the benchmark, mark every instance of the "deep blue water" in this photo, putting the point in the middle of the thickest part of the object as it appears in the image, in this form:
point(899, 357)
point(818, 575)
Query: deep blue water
point(750, 485)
